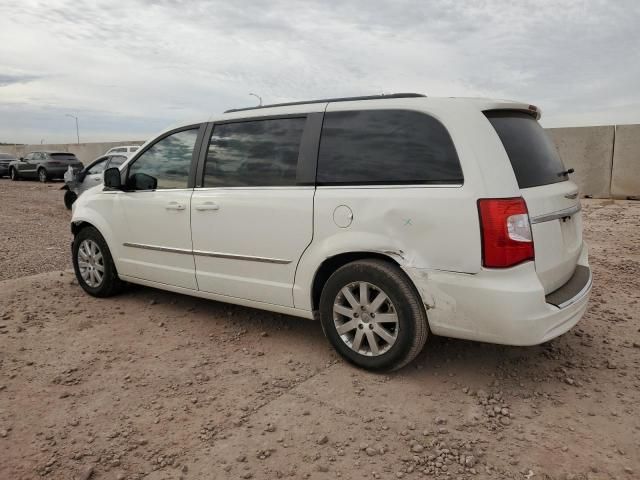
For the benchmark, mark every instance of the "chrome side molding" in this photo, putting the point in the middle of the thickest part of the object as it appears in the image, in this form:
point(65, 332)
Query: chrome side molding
point(202, 253)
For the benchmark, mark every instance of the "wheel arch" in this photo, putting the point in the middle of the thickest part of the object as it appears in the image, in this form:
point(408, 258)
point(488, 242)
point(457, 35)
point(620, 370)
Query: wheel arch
point(333, 263)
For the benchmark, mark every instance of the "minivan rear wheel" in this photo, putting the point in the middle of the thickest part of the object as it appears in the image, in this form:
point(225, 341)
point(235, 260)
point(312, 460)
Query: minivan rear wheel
point(373, 315)
point(92, 262)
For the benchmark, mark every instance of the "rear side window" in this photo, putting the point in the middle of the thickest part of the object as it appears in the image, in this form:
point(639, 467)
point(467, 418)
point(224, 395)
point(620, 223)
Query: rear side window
point(254, 153)
point(61, 156)
point(532, 153)
point(386, 147)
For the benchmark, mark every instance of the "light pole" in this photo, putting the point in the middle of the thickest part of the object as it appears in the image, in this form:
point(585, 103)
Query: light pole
point(77, 128)
point(258, 97)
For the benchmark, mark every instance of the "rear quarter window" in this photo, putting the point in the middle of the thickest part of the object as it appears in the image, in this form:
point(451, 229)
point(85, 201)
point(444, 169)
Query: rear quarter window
point(533, 155)
point(386, 147)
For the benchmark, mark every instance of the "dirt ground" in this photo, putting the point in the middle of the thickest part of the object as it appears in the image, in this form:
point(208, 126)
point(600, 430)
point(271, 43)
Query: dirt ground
point(157, 385)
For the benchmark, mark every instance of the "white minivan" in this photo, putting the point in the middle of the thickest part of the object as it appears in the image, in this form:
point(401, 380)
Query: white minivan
point(385, 217)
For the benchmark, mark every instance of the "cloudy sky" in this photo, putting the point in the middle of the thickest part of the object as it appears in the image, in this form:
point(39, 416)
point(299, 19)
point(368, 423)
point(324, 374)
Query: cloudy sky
point(128, 68)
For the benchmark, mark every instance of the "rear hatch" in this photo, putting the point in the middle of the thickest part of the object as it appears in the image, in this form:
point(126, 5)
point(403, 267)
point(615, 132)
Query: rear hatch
point(552, 199)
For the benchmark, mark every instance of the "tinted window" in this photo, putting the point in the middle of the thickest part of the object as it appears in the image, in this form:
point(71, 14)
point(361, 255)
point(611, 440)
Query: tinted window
point(386, 147)
point(98, 167)
point(168, 161)
point(59, 156)
point(533, 155)
point(6, 156)
point(255, 153)
point(117, 160)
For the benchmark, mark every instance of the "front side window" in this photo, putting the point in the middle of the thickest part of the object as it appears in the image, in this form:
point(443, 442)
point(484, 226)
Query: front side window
point(166, 164)
point(254, 153)
point(386, 147)
point(97, 167)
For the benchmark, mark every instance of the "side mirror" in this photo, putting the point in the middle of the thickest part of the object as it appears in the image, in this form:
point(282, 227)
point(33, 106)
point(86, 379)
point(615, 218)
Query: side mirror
point(112, 179)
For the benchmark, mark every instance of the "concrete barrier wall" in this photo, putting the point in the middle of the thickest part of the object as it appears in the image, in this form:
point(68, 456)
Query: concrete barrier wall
point(606, 158)
point(625, 179)
point(86, 152)
point(588, 150)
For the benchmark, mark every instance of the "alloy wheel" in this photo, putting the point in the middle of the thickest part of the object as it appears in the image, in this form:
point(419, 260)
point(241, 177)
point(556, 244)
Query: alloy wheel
point(91, 263)
point(365, 318)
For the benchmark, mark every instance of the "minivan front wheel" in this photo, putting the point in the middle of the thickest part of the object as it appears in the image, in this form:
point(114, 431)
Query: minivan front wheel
point(373, 315)
point(93, 264)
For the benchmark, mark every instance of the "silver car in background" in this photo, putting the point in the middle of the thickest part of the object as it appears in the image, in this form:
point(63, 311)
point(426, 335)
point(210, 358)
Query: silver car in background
point(77, 181)
point(43, 165)
point(5, 160)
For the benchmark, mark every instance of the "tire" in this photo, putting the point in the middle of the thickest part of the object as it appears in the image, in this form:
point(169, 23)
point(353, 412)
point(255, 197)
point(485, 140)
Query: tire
point(69, 198)
point(42, 175)
point(83, 244)
point(13, 173)
point(397, 342)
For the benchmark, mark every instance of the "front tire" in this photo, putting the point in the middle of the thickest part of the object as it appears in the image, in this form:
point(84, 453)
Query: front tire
point(69, 199)
point(42, 175)
point(373, 315)
point(92, 262)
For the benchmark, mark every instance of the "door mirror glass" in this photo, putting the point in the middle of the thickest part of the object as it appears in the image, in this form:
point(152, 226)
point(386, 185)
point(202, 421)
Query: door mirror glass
point(112, 179)
point(140, 181)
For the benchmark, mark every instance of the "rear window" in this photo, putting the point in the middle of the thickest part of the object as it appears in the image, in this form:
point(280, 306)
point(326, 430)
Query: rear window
point(532, 153)
point(63, 156)
point(6, 156)
point(378, 147)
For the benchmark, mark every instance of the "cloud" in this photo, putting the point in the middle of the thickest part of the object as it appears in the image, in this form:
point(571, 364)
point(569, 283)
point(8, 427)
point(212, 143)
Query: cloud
point(139, 64)
point(9, 79)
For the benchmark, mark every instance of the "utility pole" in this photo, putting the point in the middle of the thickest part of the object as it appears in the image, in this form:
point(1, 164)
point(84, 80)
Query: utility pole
point(258, 97)
point(77, 128)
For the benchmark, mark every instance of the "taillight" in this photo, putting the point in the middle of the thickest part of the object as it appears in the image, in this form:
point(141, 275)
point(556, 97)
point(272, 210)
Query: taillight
point(506, 232)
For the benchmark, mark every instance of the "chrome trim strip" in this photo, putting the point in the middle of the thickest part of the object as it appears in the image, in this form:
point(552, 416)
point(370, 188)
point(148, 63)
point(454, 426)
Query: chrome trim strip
point(580, 294)
point(567, 212)
point(233, 256)
point(158, 249)
point(202, 253)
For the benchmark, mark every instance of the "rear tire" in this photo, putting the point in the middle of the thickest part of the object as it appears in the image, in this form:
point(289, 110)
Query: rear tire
point(373, 315)
point(92, 262)
point(69, 199)
point(13, 173)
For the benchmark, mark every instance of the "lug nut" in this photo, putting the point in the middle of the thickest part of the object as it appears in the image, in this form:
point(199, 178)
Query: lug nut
point(371, 326)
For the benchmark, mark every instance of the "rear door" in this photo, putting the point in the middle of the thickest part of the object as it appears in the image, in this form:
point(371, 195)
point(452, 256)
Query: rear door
point(552, 199)
point(252, 212)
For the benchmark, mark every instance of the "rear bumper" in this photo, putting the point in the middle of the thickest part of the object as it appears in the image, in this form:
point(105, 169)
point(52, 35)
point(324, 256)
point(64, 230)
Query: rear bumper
point(500, 306)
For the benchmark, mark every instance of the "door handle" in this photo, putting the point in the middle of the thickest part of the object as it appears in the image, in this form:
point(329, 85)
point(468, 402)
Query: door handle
point(207, 206)
point(174, 206)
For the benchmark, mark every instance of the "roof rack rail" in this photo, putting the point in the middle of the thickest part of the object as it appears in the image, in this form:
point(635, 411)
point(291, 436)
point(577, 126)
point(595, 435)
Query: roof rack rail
point(330, 100)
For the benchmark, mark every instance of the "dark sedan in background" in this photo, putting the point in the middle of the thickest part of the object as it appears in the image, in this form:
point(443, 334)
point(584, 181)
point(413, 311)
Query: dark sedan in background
point(5, 160)
point(43, 165)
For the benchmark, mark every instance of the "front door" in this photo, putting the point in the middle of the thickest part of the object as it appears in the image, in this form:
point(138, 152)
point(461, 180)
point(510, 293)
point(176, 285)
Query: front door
point(252, 217)
point(155, 237)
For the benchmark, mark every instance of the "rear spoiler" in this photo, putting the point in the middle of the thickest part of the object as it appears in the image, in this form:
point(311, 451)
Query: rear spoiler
point(532, 110)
